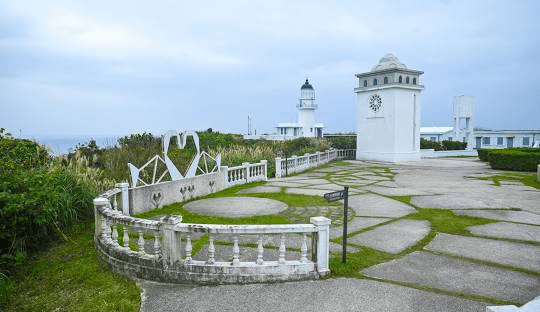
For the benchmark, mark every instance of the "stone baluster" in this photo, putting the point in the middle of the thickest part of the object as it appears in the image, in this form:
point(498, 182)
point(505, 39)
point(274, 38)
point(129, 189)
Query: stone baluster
point(303, 249)
point(106, 228)
point(278, 167)
point(126, 237)
point(245, 171)
point(260, 250)
point(124, 197)
point(157, 245)
point(115, 233)
point(236, 251)
point(282, 249)
point(321, 243)
point(188, 248)
point(211, 249)
point(140, 242)
point(115, 202)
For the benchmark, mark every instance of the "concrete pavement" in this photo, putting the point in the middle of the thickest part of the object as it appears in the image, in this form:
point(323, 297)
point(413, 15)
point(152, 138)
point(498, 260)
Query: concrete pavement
point(497, 261)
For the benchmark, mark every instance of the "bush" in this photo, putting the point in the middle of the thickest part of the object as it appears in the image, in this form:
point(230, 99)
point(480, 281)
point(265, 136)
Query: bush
point(347, 142)
point(514, 159)
point(454, 145)
point(442, 146)
point(37, 202)
point(483, 153)
point(427, 144)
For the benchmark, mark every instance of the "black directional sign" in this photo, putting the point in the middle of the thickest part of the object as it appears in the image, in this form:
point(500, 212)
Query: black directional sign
point(330, 197)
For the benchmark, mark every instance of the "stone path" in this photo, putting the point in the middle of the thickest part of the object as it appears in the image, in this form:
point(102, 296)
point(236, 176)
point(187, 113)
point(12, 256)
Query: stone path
point(394, 237)
point(497, 261)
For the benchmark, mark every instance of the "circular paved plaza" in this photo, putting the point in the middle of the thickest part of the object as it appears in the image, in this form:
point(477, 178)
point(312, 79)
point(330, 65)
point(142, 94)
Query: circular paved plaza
point(236, 206)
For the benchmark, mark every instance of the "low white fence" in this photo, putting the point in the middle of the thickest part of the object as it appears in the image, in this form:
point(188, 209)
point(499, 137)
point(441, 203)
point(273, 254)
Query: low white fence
point(163, 251)
point(245, 173)
point(294, 164)
point(148, 197)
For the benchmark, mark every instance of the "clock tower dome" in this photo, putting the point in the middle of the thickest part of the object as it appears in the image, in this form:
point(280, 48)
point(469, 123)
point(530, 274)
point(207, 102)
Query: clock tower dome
point(389, 109)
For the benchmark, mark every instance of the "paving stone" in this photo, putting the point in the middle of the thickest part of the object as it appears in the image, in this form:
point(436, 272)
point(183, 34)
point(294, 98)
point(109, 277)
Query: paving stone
point(525, 256)
point(331, 169)
point(508, 230)
point(397, 191)
point(305, 191)
point(329, 187)
point(287, 184)
point(356, 224)
point(339, 295)
point(316, 181)
point(338, 248)
point(457, 201)
point(394, 237)
point(260, 189)
point(236, 206)
point(455, 275)
point(503, 215)
point(371, 205)
point(387, 184)
point(374, 178)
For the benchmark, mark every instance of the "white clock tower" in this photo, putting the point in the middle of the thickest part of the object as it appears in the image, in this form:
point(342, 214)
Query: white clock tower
point(389, 109)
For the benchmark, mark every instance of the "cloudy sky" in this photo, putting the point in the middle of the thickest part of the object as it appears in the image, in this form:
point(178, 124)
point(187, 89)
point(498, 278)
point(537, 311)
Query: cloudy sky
point(109, 68)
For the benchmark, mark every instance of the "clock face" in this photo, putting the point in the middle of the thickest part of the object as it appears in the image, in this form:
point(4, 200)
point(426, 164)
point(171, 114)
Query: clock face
point(375, 103)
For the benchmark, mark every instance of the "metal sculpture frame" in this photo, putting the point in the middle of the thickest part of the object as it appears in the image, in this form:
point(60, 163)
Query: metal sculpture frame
point(171, 169)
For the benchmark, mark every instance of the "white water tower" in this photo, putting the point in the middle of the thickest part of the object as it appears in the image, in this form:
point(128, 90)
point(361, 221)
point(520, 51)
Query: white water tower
point(462, 119)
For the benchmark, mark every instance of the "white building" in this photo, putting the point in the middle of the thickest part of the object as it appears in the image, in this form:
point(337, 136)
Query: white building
point(389, 109)
point(305, 126)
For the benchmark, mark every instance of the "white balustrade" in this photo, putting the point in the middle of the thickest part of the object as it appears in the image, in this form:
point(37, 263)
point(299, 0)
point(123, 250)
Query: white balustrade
point(168, 258)
point(245, 173)
point(296, 164)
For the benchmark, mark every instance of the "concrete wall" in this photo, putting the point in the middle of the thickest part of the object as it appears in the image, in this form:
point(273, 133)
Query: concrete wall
point(145, 198)
point(148, 197)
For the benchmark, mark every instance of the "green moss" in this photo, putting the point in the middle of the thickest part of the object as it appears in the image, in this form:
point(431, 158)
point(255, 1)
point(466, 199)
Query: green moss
point(445, 221)
point(529, 179)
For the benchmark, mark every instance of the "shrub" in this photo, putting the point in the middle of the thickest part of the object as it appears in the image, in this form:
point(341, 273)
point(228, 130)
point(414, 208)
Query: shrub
point(483, 153)
point(427, 144)
point(348, 142)
point(37, 202)
point(442, 146)
point(512, 159)
point(454, 145)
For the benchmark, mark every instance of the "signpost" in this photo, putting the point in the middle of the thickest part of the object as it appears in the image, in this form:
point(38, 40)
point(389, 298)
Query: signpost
point(331, 197)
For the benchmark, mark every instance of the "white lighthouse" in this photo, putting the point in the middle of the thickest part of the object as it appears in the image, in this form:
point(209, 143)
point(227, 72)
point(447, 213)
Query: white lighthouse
point(306, 126)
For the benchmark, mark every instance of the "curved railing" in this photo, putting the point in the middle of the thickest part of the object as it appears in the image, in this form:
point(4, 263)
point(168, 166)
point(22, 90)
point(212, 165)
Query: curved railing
point(162, 250)
point(295, 164)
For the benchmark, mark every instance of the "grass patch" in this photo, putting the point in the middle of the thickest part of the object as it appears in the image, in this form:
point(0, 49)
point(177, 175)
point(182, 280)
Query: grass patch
point(292, 200)
point(442, 221)
point(403, 199)
point(445, 221)
point(70, 277)
point(190, 217)
point(528, 179)
point(362, 259)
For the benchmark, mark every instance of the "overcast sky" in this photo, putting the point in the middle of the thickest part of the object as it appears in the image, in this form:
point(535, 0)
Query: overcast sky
point(108, 68)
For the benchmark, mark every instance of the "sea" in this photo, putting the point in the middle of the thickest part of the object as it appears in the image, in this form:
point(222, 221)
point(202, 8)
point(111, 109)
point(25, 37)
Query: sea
point(65, 145)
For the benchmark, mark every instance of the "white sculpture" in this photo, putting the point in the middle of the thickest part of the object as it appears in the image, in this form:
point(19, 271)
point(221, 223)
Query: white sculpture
point(174, 173)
